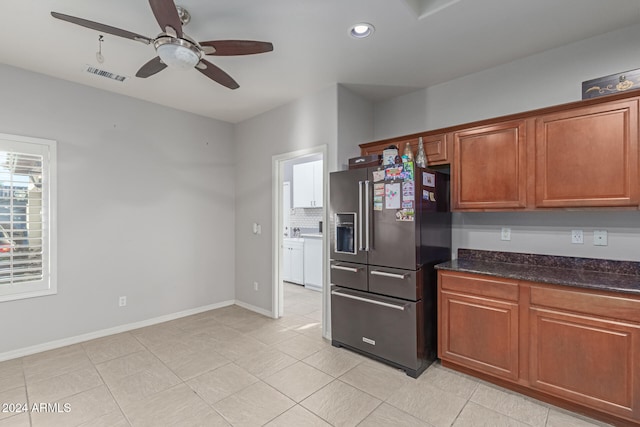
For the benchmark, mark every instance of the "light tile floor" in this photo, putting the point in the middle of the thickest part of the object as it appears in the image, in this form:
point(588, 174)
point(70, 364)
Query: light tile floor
point(233, 367)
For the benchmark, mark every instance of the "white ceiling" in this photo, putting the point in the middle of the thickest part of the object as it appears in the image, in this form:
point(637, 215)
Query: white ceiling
point(411, 48)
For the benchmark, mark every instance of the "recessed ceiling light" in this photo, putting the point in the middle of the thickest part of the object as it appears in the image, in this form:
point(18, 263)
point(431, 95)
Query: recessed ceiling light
point(361, 30)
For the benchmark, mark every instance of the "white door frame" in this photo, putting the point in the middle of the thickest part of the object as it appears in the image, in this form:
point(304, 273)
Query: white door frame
point(277, 178)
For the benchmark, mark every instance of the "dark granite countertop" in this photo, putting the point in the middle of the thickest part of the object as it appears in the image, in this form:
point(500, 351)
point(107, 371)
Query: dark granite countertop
point(591, 273)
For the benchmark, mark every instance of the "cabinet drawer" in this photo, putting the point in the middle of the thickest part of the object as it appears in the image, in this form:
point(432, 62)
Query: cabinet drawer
point(383, 327)
point(405, 284)
point(349, 275)
point(480, 285)
point(615, 307)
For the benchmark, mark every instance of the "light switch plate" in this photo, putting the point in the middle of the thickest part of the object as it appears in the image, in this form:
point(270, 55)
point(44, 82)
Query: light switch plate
point(600, 238)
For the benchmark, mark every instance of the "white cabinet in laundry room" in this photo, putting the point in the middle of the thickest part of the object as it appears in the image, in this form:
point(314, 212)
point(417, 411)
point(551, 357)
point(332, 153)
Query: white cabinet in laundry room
point(293, 260)
point(307, 185)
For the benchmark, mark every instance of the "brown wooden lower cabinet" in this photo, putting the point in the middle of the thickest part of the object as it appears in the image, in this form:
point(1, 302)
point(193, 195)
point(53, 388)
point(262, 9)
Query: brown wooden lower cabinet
point(571, 347)
point(479, 331)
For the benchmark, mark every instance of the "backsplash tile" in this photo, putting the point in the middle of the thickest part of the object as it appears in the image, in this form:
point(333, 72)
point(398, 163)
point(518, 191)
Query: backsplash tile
point(307, 218)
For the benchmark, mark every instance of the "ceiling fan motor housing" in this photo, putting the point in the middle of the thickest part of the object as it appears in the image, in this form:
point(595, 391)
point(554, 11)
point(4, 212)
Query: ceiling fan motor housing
point(177, 52)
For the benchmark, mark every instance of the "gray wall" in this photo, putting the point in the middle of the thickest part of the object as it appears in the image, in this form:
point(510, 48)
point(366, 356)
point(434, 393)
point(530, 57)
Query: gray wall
point(548, 78)
point(145, 208)
point(308, 122)
point(355, 125)
point(335, 117)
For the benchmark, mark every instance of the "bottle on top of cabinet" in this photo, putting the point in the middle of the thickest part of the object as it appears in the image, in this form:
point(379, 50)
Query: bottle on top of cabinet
point(421, 158)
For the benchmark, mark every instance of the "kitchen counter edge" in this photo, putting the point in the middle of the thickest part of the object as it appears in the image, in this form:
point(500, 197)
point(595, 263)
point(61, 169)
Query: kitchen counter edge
point(586, 279)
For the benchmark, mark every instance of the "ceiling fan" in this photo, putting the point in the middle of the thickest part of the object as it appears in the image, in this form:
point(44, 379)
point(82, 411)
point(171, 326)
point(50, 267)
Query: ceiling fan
point(174, 47)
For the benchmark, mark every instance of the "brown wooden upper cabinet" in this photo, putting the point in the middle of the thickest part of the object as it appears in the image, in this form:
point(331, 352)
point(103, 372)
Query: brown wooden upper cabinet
point(588, 156)
point(489, 167)
point(579, 155)
point(436, 147)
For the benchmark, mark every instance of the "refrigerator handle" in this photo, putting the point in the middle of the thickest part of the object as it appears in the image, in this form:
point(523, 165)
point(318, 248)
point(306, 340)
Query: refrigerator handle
point(370, 301)
point(359, 231)
point(366, 213)
point(385, 274)
point(349, 269)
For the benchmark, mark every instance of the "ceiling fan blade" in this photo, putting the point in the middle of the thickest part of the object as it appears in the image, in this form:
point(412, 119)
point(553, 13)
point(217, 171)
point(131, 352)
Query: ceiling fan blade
point(236, 47)
point(102, 27)
point(150, 68)
point(167, 15)
point(216, 74)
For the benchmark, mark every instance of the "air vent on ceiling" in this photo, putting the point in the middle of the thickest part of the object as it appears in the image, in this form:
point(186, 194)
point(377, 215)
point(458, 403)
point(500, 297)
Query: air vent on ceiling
point(103, 73)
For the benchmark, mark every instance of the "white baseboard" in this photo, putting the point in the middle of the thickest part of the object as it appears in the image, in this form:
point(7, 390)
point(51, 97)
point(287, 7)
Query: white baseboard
point(26, 351)
point(254, 308)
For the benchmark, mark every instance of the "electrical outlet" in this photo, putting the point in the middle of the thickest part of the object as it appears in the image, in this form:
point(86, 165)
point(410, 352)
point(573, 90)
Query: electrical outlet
point(122, 301)
point(505, 234)
point(600, 238)
point(577, 237)
point(255, 286)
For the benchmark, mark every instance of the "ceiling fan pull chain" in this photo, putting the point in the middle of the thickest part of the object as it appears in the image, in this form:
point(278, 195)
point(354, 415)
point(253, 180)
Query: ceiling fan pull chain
point(99, 56)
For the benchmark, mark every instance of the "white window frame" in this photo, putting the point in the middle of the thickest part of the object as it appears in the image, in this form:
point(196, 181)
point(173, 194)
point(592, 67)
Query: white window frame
point(48, 285)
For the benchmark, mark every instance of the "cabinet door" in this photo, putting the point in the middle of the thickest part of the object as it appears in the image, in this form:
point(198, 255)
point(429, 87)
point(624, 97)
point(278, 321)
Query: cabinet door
point(303, 191)
point(286, 262)
point(586, 359)
point(489, 169)
point(478, 322)
point(307, 185)
point(436, 147)
point(297, 264)
point(317, 184)
point(480, 333)
point(313, 262)
point(588, 156)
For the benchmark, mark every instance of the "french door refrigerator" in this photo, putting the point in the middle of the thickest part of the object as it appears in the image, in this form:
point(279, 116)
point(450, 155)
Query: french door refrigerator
point(390, 227)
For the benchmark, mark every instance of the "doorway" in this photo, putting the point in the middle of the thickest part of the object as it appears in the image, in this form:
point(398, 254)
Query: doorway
point(299, 241)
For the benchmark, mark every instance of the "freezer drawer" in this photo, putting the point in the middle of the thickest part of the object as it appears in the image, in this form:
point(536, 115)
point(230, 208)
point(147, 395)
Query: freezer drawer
point(394, 282)
point(386, 328)
point(349, 275)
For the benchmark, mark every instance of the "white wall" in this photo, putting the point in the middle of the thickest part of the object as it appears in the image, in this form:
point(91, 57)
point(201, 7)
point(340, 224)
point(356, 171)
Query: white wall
point(548, 78)
point(145, 208)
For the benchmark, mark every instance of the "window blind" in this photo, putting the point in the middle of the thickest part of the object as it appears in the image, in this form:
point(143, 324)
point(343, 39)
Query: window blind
point(26, 217)
point(21, 217)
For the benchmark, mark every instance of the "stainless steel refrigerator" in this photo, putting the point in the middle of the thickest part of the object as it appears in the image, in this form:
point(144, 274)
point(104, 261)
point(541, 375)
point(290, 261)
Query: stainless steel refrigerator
point(389, 228)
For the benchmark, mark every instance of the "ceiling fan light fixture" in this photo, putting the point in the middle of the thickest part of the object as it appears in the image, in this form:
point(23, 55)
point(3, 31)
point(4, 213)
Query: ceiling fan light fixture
point(177, 53)
point(361, 30)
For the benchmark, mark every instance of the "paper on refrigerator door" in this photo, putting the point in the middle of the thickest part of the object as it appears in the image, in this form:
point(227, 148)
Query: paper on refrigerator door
point(392, 196)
